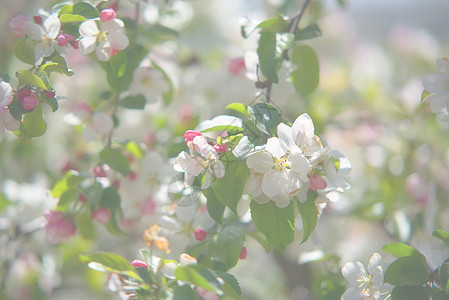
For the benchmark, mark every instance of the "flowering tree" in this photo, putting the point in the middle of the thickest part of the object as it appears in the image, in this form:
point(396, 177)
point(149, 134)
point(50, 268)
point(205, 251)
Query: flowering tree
point(145, 179)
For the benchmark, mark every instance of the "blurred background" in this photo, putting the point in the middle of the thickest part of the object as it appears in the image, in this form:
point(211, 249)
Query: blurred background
point(372, 54)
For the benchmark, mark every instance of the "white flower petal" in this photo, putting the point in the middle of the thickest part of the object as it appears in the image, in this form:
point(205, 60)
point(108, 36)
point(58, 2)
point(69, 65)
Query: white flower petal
point(254, 185)
point(112, 25)
point(207, 177)
point(276, 147)
point(87, 44)
point(88, 28)
point(52, 26)
point(299, 164)
point(271, 183)
point(281, 200)
point(351, 272)
point(353, 293)
point(260, 161)
point(118, 40)
point(34, 31)
point(5, 94)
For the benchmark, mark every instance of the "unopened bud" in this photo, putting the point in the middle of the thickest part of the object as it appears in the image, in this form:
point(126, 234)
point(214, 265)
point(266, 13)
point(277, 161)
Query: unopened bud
point(23, 93)
point(37, 19)
point(221, 148)
point(200, 234)
point(107, 14)
point(29, 102)
point(243, 253)
point(64, 38)
point(189, 135)
point(101, 215)
point(139, 264)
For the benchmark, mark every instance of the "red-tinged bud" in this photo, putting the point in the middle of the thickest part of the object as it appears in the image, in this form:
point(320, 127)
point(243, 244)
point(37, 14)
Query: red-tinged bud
point(221, 148)
point(29, 102)
point(116, 184)
point(82, 198)
point(50, 94)
point(99, 171)
point(200, 234)
point(132, 176)
point(236, 65)
point(23, 93)
point(67, 167)
point(189, 135)
point(243, 253)
point(139, 264)
point(317, 183)
point(101, 215)
point(64, 38)
point(107, 14)
point(130, 157)
point(76, 44)
point(37, 19)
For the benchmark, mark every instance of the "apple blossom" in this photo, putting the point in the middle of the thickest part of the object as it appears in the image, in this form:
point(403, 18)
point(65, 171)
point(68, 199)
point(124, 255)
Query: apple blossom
point(45, 35)
point(111, 38)
point(58, 228)
point(7, 121)
point(149, 82)
point(189, 135)
point(101, 215)
point(365, 284)
point(317, 183)
point(202, 158)
point(438, 85)
point(187, 260)
point(17, 25)
point(5, 94)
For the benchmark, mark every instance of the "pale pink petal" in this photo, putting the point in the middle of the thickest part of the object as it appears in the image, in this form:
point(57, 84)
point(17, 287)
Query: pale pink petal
point(10, 123)
point(118, 40)
point(52, 26)
point(276, 147)
point(303, 129)
point(254, 185)
point(17, 25)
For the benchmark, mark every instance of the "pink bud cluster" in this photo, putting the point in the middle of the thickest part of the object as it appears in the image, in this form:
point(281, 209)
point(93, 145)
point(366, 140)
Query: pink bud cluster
point(59, 229)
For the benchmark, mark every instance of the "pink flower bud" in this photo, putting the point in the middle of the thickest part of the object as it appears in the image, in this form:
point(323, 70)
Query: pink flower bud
point(221, 148)
point(317, 183)
point(149, 207)
point(23, 93)
point(37, 19)
point(17, 25)
point(101, 215)
point(243, 253)
point(64, 38)
point(49, 94)
point(75, 44)
point(139, 264)
point(99, 171)
point(200, 234)
point(82, 198)
point(236, 65)
point(58, 228)
point(29, 102)
point(132, 176)
point(189, 135)
point(116, 184)
point(107, 14)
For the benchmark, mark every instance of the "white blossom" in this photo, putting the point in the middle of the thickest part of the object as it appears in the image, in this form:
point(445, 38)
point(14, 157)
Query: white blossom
point(438, 85)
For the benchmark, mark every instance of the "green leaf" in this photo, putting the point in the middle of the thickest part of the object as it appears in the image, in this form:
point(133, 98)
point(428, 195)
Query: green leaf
point(266, 117)
point(110, 198)
point(56, 64)
point(28, 77)
point(24, 50)
point(214, 207)
point(69, 18)
point(424, 95)
point(94, 195)
point(52, 102)
point(184, 292)
point(5, 76)
point(133, 102)
point(406, 270)
point(120, 68)
point(4, 202)
point(108, 262)
point(231, 287)
point(307, 74)
point(229, 188)
point(135, 149)
point(85, 226)
point(436, 293)
point(309, 216)
point(442, 235)
point(147, 257)
point(33, 125)
point(415, 292)
point(311, 31)
point(66, 198)
point(227, 245)
point(86, 10)
point(271, 53)
point(66, 9)
point(403, 250)
point(443, 276)
point(116, 160)
point(239, 107)
point(277, 224)
point(16, 109)
point(277, 24)
point(191, 274)
point(262, 241)
point(43, 76)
